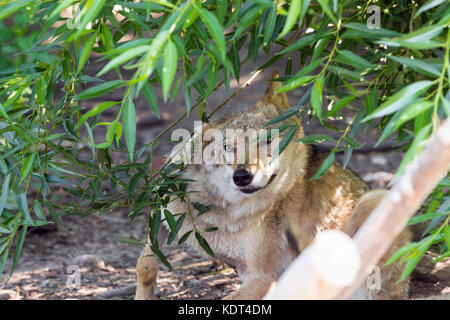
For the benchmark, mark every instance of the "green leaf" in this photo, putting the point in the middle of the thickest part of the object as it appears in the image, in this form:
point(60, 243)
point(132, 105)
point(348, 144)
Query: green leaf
point(400, 99)
point(418, 39)
point(204, 244)
point(11, 7)
point(305, 5)
point(418, 65)
point(345, 73)
point(302, 42)
point(129, 241)
point(54, 215)
point(249, 18)
point(283, 116)
point(446, 235)
point(107, 37)
point(403, 116)
point(402, 252)
point(292, 84)
point(87, 48)
point(352, 59)
point(327, 163)
point(41, 91)
point(160, 256)
point(221, 10)
point(96, 110)
point(150, 96)
point(151, 58)
point(425, 217)
point(428, 5)
point(415, 147)
point(155, 224)
point(118, 132)
point(178, 225)
point(171, 221)
point(327, 10)
point(34, 223)
point(316, 97)
point(293, 13)
point(23, 205)
point(124, 57)
point(39, 211)
point(129, 126)
point(184, 237)
point(169, 67)
point(315, 138)
point(201, 208)
point(18, 250)
point(287, 138)
point(5, 192)
point(109, 136)
point(98, 90)
point(320, 46)
point(353, 143)
point(27, 165)
point(213, 76)
point(422, 34)
point(4, 229)
point(412, 263)
point(340, 104)
point(359, 30)
point(270, 25)
point(371, 100)
point(347, 155)
point(214, 28)
point(93, 9)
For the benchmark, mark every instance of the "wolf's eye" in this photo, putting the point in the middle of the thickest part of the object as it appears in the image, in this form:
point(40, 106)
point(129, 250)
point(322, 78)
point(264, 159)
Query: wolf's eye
point(228, 147)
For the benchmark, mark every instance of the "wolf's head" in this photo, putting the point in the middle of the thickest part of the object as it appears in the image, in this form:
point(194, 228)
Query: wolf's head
point(240, 154)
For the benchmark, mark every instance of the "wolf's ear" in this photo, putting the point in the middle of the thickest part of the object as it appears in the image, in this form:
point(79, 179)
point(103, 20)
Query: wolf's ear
point(280, 100)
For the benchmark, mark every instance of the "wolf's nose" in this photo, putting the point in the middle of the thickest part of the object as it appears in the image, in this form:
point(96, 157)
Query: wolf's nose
point(242, 177)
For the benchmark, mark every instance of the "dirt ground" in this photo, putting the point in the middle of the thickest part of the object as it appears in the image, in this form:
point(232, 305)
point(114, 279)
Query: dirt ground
point(89, 251)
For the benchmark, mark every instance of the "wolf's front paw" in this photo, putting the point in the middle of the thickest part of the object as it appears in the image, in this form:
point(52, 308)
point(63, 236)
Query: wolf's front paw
point(234, 296)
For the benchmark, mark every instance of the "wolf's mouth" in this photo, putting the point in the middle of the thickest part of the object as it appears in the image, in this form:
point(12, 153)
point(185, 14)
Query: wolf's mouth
point(253, 190)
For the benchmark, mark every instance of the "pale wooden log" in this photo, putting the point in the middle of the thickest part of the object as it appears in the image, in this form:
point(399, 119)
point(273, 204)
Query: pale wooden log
point(331, 262)
point(389, 218)
point(302, 281)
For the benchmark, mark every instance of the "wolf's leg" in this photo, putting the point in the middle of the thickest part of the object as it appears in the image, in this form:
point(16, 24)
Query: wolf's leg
point(147, 270)
point(381, 284)
point(259, 271)
point(252, 289)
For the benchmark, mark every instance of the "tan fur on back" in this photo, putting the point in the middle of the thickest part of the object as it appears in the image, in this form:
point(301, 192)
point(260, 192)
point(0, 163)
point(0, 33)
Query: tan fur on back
point(253, 227)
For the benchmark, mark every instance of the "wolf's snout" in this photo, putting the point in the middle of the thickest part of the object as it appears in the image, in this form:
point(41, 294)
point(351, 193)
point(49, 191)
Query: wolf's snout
point(242, 177)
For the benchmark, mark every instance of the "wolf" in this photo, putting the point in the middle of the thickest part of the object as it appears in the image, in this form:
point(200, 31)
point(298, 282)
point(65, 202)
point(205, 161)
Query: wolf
point(267, 208)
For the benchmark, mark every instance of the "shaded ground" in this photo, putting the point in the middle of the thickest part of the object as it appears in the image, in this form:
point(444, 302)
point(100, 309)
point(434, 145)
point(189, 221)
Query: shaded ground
point(105, 266)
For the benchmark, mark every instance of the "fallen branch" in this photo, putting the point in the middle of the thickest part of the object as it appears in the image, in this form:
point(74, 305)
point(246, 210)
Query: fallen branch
point(119, 292)
point(303, 280)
